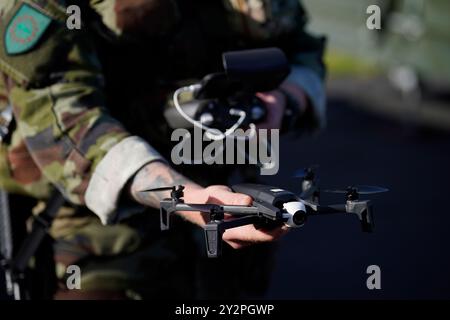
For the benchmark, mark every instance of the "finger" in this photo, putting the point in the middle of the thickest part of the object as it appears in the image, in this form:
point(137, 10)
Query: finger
point(267, 97)
point(275, 111)
point(207, 195)
point(277, 228)
point(248, 234)
point(261, 235)
point(281, 231)
point(219, 187)
point(230, 198)
point(236, 244)
point(240, 199)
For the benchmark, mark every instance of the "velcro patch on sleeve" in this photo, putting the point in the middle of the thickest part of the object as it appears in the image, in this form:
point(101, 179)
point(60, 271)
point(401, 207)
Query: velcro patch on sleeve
point(33, 39)
point(25, 29)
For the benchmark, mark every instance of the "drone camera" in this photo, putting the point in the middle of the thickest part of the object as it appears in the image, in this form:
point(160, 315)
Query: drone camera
point(295, 214)
point(299, 218)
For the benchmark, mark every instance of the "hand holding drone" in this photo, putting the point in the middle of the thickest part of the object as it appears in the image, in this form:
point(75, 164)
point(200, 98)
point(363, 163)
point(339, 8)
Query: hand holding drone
point(271, 206)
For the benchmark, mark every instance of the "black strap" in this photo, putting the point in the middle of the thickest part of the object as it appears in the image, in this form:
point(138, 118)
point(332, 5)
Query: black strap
point(41, 224)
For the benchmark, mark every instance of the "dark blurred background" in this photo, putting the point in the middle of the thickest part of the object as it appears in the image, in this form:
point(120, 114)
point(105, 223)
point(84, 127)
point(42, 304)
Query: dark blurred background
point(388, 125)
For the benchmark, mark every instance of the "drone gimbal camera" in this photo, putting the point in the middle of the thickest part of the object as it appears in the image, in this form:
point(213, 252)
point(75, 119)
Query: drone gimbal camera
point(271, 206)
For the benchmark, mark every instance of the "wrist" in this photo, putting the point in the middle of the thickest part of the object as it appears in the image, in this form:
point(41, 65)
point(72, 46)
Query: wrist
point(296, 105)
point(295, 96)
point(155, 175)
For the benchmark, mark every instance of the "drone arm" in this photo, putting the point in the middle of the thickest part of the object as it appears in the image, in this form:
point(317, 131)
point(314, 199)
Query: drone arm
point(363, 209)
point(211, 208)
point(169, 206)
point(241, 210)
point(313, 209)
point(267, 210)
point(333, 208)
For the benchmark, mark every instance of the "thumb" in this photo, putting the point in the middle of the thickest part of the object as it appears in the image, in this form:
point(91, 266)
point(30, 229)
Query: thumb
point(224, 195)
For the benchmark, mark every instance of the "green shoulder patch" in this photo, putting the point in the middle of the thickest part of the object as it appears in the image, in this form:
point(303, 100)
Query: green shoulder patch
point(25, 29)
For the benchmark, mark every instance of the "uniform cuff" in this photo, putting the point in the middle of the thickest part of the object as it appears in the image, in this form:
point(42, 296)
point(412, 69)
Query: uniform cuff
point(113, 172)
point(313, 86)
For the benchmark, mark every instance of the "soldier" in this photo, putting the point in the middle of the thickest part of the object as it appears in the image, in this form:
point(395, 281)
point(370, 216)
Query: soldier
point(88, 121)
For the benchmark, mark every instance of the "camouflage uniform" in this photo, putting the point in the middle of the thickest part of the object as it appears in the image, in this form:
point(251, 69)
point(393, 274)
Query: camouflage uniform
point(68, 87)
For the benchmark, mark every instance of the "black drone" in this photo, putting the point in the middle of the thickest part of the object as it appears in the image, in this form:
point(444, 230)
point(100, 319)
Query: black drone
point(271, 206)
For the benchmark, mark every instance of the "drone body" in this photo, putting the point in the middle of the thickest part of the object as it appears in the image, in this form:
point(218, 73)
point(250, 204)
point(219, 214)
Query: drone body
point(271, 206)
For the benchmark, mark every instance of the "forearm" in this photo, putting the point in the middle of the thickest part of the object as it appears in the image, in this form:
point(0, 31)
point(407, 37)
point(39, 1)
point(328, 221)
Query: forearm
point(305, 95)
point(157, 174)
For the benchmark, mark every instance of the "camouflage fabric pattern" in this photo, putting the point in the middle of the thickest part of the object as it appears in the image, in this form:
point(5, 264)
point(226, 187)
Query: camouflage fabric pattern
point(58, 139)
point(62, 130)
point(121, 257)
point(139, 261)
point(65, 124)
point(66, 140)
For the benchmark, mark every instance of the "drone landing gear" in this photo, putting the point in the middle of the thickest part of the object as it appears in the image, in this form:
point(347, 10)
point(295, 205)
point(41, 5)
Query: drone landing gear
point(215, 229)
point(364, 211)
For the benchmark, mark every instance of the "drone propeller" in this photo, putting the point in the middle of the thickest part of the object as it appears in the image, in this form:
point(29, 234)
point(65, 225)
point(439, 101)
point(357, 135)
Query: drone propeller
point(176, 193)
point(159, 189)
point(360, 189)
point(306, 173)
point(202, 207)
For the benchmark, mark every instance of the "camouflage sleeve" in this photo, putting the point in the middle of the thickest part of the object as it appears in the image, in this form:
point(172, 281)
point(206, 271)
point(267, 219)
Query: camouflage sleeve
point(78, 147)
point(63, 120)
point(65, 130)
